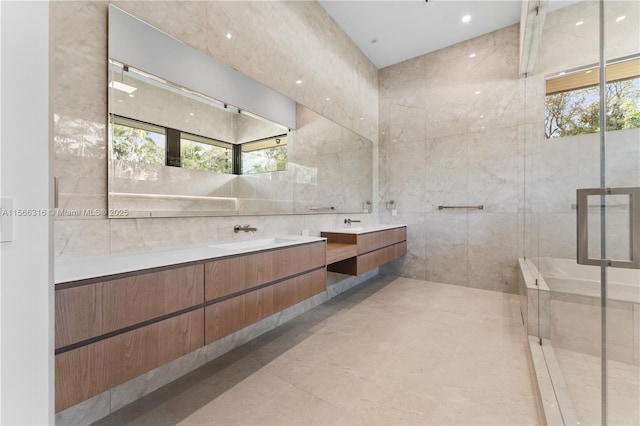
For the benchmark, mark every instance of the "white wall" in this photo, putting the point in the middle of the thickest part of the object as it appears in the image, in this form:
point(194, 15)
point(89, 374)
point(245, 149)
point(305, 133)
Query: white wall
point(26, 289)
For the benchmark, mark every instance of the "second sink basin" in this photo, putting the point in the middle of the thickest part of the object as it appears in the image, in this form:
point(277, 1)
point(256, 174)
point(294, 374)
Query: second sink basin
point(252, 244)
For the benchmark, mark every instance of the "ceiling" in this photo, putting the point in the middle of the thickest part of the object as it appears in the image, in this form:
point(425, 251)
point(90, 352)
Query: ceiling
point(389, 32)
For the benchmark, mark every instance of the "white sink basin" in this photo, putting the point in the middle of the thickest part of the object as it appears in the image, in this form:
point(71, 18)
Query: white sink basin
point(252, 244)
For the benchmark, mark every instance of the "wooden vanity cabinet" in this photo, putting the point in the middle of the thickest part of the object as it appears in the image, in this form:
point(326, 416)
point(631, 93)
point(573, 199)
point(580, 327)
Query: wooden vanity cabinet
point(372, 249)
point(112, 329)
point(237, 296)
point(91, 369)
point(87, 311)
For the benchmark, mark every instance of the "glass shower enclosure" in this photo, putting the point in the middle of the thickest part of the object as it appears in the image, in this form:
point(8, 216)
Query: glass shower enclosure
point(581, 206)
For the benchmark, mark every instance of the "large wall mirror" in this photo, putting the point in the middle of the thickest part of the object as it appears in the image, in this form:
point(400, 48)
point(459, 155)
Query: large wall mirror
point(190, 141)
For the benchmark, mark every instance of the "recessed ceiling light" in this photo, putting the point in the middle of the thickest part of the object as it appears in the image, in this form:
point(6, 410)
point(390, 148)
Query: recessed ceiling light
point(131, 95)
point(562, 73)
point(191, 114)
point(327, 99)
point(477, 92)
point(473, 55)
point(361, 118)
point(466, 18)
point(298, 81)
point(228, 36)
point(482, 116)
point(620, 18)
point(579, 23)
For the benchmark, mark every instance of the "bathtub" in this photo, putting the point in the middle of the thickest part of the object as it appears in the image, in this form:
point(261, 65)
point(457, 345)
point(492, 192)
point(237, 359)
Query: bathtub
point(566, 276)
point(565, 307)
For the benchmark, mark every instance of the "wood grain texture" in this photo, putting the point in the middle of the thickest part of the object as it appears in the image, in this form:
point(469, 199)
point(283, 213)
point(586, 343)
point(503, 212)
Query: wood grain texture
point(92, 369)
point(364, 262)
point(375, 240)
point(337, 252)
point(229, 316)
point(95, 309)
point(143, 297)
point(339, 237)
point(78, 314)
point(228, 276)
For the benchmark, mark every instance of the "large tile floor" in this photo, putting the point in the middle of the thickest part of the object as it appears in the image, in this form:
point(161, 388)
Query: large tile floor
point(582, 375)
point(392, 351)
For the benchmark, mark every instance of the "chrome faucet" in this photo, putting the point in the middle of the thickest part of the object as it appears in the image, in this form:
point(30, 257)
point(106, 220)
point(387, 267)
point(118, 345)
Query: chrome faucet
point(245, 228)
point(350, 221)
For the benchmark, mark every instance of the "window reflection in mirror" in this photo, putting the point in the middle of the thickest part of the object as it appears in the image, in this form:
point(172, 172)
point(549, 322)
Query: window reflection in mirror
point(200, 131)
point(268, 155)
point(139, 142)
point(199, 153)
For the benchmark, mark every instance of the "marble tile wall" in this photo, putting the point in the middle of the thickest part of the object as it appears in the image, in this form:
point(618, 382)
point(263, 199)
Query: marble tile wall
point(451, 133)
point(462, 130)
point(337, 71)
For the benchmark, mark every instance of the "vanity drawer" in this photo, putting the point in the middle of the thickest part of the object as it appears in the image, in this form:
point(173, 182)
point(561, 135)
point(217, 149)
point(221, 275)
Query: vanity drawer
point(228, 316)
point(379, 257)
point(375, 240)
point(91, 310)
point(239, 273)
point(91, 369)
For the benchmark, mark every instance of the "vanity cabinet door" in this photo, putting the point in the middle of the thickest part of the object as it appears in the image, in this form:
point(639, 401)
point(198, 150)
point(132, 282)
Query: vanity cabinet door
point(91, 310)
point(375, 240)
point(94, 368)
point(380, 257)
point(228, 316)
point(227, 276)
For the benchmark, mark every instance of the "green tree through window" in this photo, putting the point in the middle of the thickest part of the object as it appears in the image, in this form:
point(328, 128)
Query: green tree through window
point(577, 112)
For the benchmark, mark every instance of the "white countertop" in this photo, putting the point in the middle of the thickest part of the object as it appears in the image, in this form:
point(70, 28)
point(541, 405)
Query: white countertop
point(363, 229)
point(67, 270)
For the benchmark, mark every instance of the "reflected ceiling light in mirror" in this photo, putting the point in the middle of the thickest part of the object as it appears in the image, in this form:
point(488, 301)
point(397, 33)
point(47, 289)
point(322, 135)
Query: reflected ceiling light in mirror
point(145, 77)
point(228, 36)
point(327, 99)
point(477, 92)
point(122, 87)
point(579, 23)
point(473, 55)
point(620, 18)
point(466, 18)
point(298, 81)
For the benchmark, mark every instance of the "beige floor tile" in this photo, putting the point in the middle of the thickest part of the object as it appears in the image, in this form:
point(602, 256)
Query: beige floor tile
point(581, 372)
point(393, 351)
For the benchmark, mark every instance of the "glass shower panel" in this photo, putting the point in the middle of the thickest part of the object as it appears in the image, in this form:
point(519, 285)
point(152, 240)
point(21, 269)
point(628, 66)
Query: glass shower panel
point(621, 166)
point(564, 156)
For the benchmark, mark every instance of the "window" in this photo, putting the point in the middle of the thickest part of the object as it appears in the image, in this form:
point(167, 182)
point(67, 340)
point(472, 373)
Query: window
point(267, 155)
point(572, 104)
point(199, 153)
point(140, 142)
